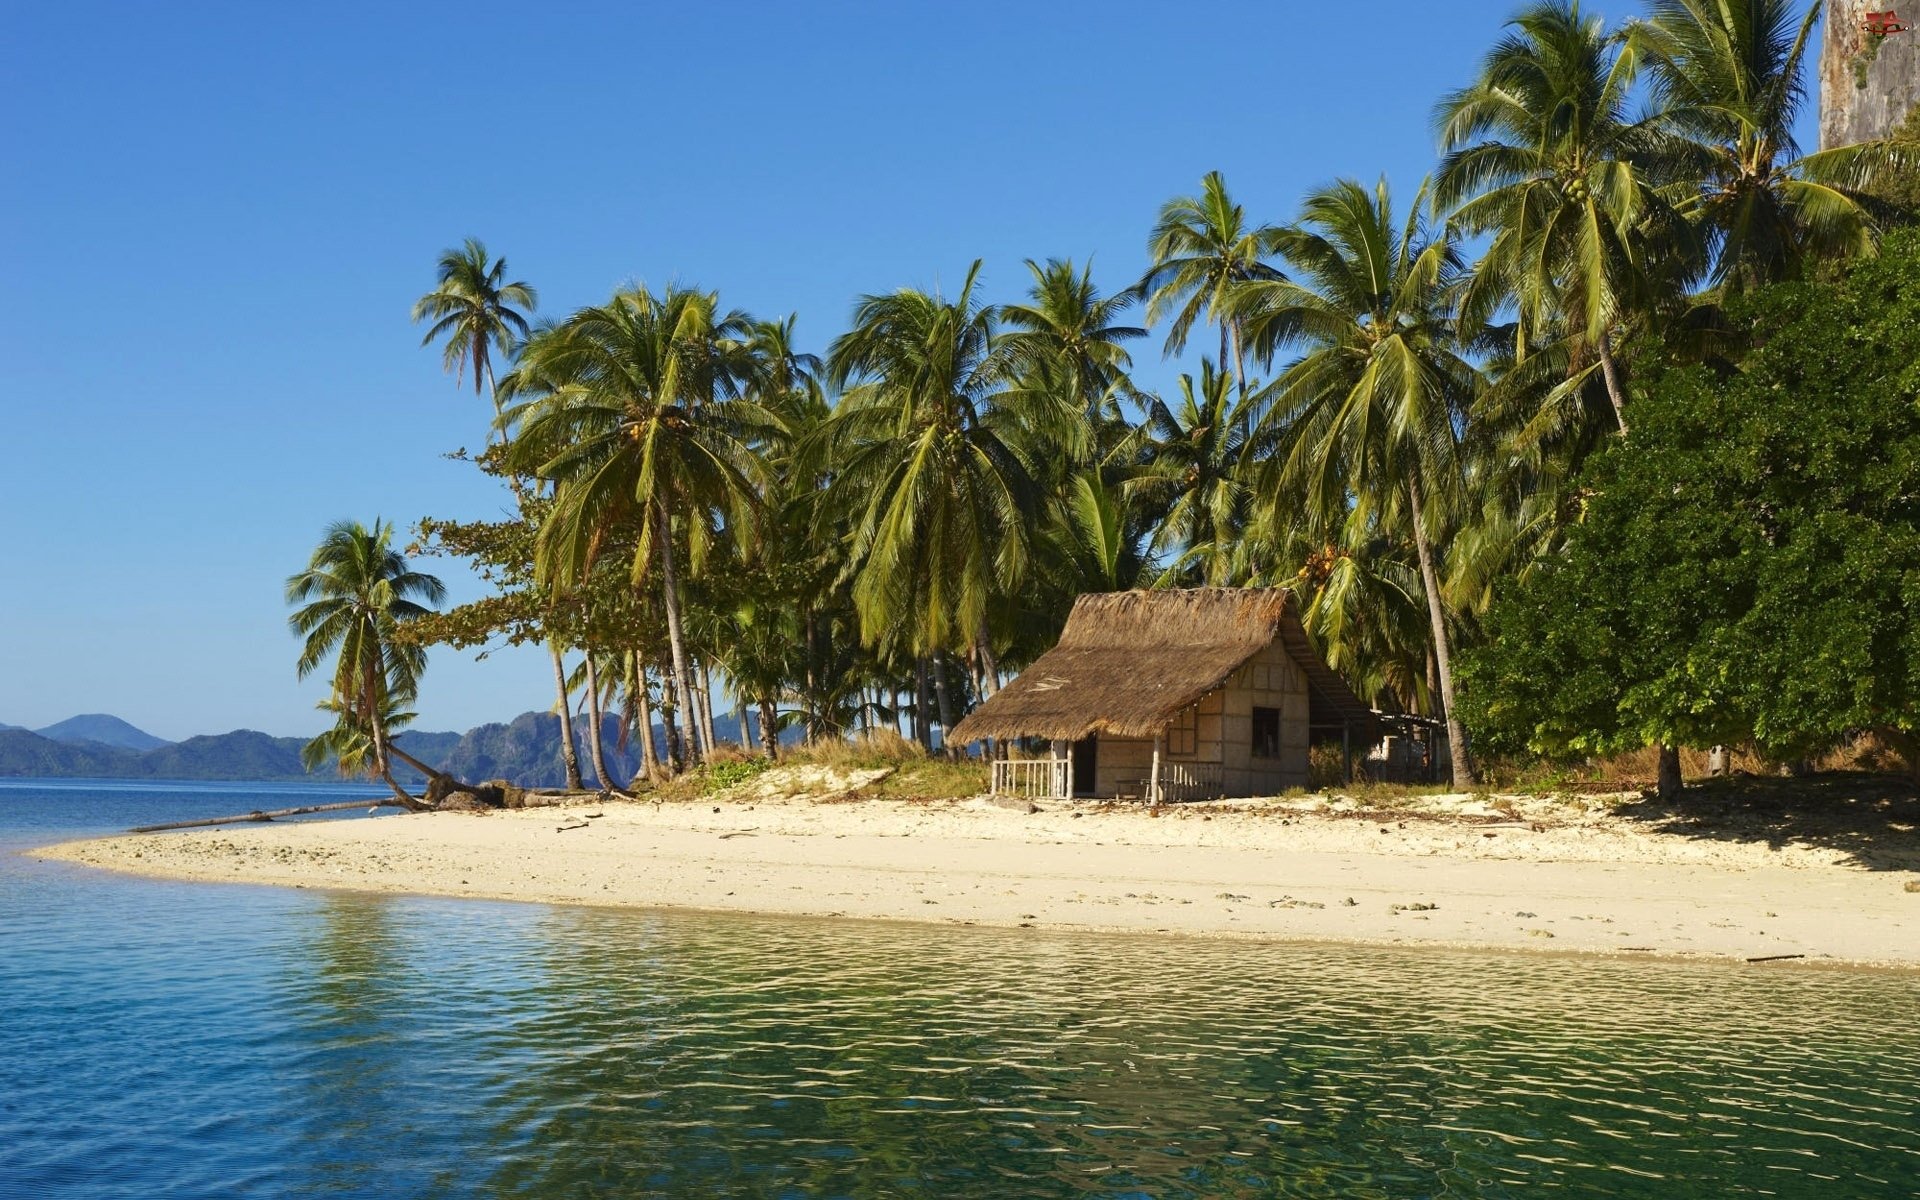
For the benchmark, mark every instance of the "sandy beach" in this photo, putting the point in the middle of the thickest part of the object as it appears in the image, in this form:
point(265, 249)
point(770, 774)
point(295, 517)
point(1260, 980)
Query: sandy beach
point(1564, 875)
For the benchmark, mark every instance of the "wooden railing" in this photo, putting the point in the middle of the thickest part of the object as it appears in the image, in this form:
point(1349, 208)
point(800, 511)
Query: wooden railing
point(1186, 781)
point(1034, 778)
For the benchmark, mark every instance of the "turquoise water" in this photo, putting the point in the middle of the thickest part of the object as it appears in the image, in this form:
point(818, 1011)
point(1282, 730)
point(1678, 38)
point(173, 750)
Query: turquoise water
point(177, 1040)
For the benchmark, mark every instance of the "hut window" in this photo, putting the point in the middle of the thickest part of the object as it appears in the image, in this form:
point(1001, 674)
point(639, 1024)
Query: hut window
point(1183, 736)
point(1266, 733)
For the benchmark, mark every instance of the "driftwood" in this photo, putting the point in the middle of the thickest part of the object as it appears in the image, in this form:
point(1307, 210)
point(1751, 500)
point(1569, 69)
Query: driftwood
point(1775, 957)
point(257, 815)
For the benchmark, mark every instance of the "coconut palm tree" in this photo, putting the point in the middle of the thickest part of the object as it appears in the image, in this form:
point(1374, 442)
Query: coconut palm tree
point(1072, 329)
point(1367, 413)
point(1727, 81)
point(1193, 474)
point(936, 501)
point(1201, 247)
point(634, 410)
point(356, 596)
point(1541, 153)
point(473, 308)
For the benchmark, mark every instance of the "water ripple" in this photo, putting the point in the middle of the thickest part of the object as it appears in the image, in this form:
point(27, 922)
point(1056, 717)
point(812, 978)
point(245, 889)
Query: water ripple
point(173, 1040)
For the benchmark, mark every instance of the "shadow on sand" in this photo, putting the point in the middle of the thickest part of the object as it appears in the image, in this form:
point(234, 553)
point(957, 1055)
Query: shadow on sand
point(1874, 820)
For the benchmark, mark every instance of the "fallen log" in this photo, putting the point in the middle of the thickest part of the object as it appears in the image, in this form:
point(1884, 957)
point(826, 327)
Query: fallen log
point(257, 815)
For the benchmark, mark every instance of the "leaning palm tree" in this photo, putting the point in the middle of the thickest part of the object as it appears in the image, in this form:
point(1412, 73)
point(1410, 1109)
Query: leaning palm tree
point(937, 503)
point(633, 410)
point(472, 306)
point(356, 597)
point(1542, 154)
point(1728, 82)
point(1201, 247)
point(1366, 414)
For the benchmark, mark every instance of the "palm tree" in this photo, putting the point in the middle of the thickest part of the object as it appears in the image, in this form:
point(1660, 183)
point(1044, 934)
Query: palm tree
point(356, 597)
point(1071, 328)
point(1201, 247)
point(1727, 78)
point(1540, 153)
point(935, 498)
point(634, 410)
point(1193, 474)
point(1367, 413)
point(473, 309)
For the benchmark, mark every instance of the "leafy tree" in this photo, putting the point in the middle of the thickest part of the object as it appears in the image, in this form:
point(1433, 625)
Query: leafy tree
point(355, 597)
point(472, 306)
point(1751, 570)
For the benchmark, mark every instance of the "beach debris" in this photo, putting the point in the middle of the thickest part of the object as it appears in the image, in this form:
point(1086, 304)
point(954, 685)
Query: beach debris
point(1230, 896)
point(1775, 957)
point(1414, 907)
point(738, 833)
point(258, 815)
point(1540, 933)
point(1290, 902)
point(1913, 885)
point(593, 816)
point(1525, 914)
point(575, 825)
point(1639, 949)
point(1014, 804)
point(1350, 902)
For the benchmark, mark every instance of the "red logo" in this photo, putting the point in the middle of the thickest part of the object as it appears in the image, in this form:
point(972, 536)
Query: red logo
point(1883, 23)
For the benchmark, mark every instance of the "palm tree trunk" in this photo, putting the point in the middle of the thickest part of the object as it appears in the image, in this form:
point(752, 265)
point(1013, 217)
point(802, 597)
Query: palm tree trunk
point(741, 730)
point(946, 700)
point(595, 741)
point(922, 708)
point(676, 639)
point(769, 728)
point(1442, 650)
point(1612, 377)
point(567, 755)
point(706, 705)
point(637, 690)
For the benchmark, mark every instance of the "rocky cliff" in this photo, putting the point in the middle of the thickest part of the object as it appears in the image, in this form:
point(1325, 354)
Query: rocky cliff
point(1868, 83)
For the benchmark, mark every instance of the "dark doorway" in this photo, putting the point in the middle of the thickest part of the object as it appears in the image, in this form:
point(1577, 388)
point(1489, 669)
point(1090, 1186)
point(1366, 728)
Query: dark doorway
point(1086, 762)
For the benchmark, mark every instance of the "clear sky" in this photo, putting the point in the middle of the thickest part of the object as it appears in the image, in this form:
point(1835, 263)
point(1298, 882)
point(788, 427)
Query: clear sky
point(214, 219)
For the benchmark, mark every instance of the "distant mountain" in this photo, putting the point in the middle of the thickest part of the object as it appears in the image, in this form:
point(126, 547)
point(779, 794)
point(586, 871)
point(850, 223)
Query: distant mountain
point(525, 750)
point(102, 729)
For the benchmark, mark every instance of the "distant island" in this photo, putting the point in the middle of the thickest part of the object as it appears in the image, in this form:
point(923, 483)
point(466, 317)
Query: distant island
point(525, 750)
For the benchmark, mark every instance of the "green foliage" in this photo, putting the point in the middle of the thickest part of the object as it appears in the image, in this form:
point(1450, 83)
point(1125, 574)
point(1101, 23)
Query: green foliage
point(1749, 562)
point(719, 776)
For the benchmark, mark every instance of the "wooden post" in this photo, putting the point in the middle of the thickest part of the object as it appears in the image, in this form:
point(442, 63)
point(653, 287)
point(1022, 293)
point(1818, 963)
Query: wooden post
point(1061, 749)
point(1346, 750)
point(1153, 779)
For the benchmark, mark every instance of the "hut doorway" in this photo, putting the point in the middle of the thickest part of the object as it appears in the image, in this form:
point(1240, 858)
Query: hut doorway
point(1086, 764)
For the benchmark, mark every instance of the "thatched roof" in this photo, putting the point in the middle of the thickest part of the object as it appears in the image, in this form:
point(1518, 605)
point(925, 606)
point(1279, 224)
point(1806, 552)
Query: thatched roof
point(1127, 662)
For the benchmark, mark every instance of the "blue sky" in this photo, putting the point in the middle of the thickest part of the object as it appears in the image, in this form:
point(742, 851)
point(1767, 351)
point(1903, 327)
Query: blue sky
point(214, 218)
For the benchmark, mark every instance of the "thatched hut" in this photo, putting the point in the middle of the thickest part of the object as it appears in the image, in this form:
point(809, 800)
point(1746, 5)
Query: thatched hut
point(1172, 695)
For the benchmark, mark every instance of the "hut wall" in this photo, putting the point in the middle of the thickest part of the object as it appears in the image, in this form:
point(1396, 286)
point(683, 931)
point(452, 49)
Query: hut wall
point(1270, 680)
point(1222, 732)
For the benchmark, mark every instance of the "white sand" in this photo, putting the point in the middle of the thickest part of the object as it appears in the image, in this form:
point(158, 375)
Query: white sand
point(1571, 879)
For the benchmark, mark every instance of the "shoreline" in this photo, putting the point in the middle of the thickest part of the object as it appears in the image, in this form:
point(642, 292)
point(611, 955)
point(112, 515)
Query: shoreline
point(1580, 881)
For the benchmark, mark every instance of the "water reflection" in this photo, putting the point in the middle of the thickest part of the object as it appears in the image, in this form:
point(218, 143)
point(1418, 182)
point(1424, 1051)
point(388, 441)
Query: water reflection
point(188, 1041)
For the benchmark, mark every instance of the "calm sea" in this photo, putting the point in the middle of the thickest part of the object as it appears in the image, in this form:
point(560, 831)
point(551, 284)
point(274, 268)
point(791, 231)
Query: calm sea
point(178, 1040)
